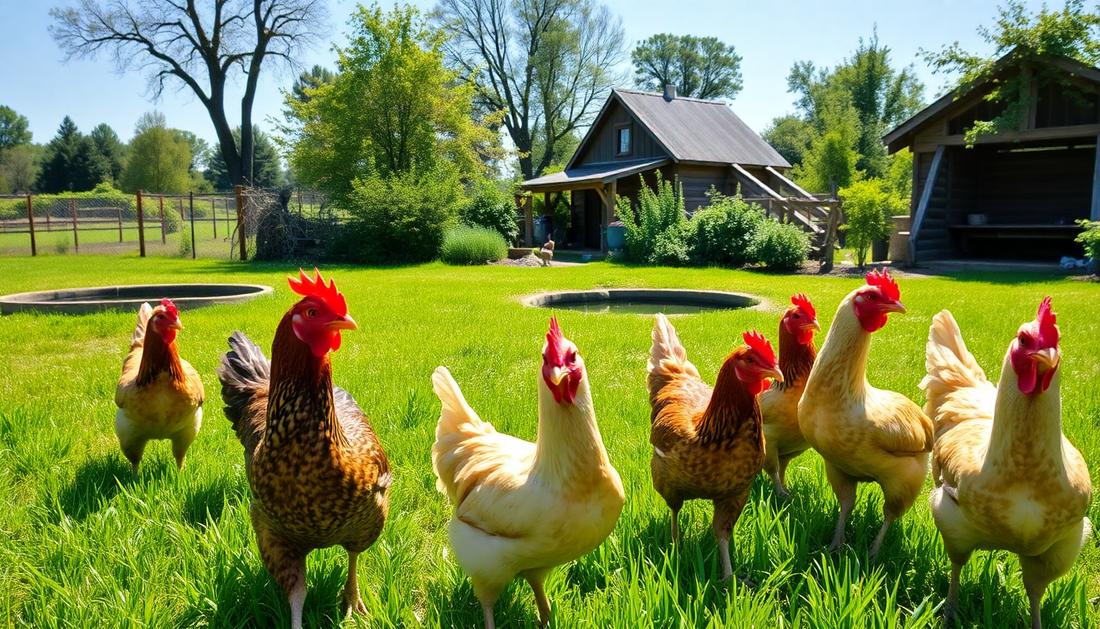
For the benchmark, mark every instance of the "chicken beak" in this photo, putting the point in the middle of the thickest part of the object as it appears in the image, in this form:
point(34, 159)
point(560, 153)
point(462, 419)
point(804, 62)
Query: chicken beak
point(344, 323)
point(814, 325)
point(557, 374)
point(1047, 357)
point(773, 373)
point(175, 325)
point(894, 307)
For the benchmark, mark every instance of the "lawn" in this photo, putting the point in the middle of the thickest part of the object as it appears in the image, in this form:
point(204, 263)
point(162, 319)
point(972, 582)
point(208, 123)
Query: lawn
point(86, 545)
point(103, 238)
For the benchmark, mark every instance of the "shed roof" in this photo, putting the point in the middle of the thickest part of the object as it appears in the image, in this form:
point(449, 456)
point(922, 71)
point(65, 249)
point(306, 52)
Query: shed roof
point(692, 130)
point(592, 173)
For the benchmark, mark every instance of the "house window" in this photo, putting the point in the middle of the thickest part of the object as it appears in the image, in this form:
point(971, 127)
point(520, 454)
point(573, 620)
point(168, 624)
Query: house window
point(622, 140)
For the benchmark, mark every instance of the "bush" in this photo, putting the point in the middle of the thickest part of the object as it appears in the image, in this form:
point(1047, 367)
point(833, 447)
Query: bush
point(492, 208)
point(779, 246)
point(658, 212)
point(722, 233)
point(868, 206)
point(185, 243)
point(1090, 239)
point(465, 245)
point(399, 218)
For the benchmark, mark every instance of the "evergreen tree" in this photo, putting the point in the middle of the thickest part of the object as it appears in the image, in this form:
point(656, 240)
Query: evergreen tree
point(72, 164)
point(265, 172)
point(110, 147)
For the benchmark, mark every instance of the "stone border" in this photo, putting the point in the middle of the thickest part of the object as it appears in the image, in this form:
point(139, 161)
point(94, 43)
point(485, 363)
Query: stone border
point(659, 296)
point(88, 300)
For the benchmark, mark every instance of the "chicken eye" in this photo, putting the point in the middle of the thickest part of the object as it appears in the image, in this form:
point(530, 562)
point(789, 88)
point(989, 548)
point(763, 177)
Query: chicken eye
point(797, 316)
point(872, 296)
point(312, 312)
point(572, 357)
point(749, 360)
point(1024, 339)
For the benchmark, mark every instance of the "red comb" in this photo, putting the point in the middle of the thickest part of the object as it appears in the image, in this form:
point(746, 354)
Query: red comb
point(803, 302)
point(1048, 331)
point(554, 337)
point(170, 308)
point(885, 283)
point(756, 341)
point(316, 288)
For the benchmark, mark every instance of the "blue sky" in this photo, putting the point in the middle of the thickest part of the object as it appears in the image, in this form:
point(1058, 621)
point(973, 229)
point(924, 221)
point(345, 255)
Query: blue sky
point(770, 36)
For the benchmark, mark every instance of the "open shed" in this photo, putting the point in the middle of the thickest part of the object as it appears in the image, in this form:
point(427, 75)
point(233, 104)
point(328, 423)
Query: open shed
point(1013, 195)
point(698, 143)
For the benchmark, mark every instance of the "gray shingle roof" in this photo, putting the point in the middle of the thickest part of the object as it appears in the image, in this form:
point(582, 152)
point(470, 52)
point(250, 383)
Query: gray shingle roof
point(696, 130)
point(590, 173)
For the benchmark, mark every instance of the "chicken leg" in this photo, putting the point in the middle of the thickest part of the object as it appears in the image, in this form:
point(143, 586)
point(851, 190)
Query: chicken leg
point(726, 514)
point(536, 579)
point(353, 602)
point(845, 489)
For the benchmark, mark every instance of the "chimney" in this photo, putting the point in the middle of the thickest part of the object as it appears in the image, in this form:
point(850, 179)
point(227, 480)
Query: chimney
point(670, 92)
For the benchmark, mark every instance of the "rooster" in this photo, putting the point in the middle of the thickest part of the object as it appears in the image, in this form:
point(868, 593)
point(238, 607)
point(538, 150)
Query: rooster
point(783, 438)
point(707, 444)
point(546, 254)
point(864, 434)
point(318, 475)
point(159, 395)
point(523, 508)
point(1006, 478)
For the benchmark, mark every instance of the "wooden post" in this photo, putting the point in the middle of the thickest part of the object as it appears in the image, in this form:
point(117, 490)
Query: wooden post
point(76, 239)
point(163, 239)
point(191, 208)
point(182, 217)
point(214, 218)
point(120, 224)
point(30, 220)
point(609, 212)
point(239, 190)
point(48, 228)
point(546, 211)
point(141, 225)
point(529, 220)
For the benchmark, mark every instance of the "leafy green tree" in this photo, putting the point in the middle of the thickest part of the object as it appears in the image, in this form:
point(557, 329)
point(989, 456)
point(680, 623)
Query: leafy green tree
point(197, 145)
point(868, 206)
point(264, 171)
point(110, 147)
point(791, 136)
point(1071, 32)
point(158, 160)
point(72, 162)
point(700, 67)
point(19, 167)
point(13, 129)
point(311, 80)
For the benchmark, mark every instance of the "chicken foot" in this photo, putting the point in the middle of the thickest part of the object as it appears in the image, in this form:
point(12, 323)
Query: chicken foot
point(726, 514)
point(951, 606)
point(845, 489)
point(536, 578)
point(353, 602)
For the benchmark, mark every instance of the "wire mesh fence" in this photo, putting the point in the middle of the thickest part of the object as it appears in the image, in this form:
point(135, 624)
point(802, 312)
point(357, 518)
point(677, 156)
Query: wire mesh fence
point(190, 225)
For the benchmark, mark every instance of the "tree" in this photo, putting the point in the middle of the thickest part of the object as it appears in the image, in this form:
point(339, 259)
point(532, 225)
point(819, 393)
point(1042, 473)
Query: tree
point(791, 136)
point(159, 160)
point(1072, 32)
point(72, 162)
point(19, 167)
point(13, 129)
point(392, 109)
point(198, 146)
point(265, 170)
point(311, 80)
point(546, 64)
point(700, 67)
point(200, 48)
point(110, 147)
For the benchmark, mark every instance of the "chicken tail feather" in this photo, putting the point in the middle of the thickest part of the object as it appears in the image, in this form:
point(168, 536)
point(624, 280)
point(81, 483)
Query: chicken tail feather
point(956, 387)
point(244, 373)
point(457, 422)
point(667, 357)
point(138, 338)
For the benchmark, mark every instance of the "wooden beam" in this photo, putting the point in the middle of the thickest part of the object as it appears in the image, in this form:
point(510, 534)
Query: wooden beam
point(1094, 213)
point(787, 182)
point(922, 208)
point(1044, 134)
point(528, 221)
point(609, 213)
point(756, 182)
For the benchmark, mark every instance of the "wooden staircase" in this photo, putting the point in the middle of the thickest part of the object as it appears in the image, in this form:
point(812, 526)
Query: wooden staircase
point(817, 215)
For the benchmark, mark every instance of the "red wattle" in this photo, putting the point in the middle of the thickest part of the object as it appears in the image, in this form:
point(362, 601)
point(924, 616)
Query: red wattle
point(1026, 378)
point(805, 336)
point(1047, 377)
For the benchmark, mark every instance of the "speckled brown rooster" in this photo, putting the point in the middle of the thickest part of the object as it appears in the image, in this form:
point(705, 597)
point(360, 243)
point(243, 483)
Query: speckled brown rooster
point(707, 444)
point(318, 475)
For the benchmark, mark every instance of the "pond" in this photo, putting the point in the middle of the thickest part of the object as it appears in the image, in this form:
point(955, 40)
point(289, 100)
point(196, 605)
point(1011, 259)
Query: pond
point(85, 300)
point(642, 301)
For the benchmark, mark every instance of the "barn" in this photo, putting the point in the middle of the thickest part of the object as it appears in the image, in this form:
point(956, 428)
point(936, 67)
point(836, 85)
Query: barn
point(1012, 195)
point(698, 143)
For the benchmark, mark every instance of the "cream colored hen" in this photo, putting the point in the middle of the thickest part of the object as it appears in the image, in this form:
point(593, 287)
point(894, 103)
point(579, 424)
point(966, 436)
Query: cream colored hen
point(523, 508)
point(1006, 478)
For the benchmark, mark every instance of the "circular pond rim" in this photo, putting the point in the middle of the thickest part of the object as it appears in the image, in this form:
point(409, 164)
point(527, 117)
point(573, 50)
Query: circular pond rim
point(98, 299)
point(657, 296)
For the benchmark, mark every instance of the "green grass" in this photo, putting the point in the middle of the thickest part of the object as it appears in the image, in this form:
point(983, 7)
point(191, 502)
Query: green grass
point(83, 544)
point(104, 237)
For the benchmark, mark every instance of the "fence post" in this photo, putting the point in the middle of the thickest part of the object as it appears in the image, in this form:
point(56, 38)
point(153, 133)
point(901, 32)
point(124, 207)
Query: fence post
point(120, 224)
point(182, 217)
point(76, 239)
point(30, 218)
point(240, 221)
point(228, 230)
point(214, 218)
point(141, 225)
point(163, 240)
point(191, 208)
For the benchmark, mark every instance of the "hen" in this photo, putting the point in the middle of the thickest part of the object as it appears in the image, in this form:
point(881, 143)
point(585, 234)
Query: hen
point(783, 438)
point(523, 508)
point(864, 434)
point(546, 254)
point(159, 395)
point(707, 444)
point(318, 475)
point(1006, 478)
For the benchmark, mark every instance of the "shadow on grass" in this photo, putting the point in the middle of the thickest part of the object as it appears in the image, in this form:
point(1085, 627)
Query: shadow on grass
point(98, 480)
point(205, 505)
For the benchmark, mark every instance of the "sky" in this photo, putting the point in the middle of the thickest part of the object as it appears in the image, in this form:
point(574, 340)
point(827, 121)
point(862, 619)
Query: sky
point(37, 82)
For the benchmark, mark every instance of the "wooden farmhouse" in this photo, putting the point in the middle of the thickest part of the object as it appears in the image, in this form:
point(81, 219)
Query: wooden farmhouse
point(1011, 195)
point(698, 143)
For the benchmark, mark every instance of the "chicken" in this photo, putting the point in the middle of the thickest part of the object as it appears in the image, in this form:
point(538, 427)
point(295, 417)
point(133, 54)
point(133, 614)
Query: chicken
point(523, 508)
point(864, 434)
point(159, 395)
point(546, 254)
point(1006, 478)
point(783, 438)
point(707, 444)
point(318, 475)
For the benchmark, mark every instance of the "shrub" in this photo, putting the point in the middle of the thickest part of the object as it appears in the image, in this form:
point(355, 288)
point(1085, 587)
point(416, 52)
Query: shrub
point(465, 245)
point(1090, 239)
point(492, 208)
point(185, 243)
point(780, 246)
point(722, 233)
point(399, 218)
point(658, 212)
point(868, 206)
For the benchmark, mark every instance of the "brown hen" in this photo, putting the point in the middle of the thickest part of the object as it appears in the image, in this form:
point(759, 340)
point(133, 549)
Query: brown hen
point(707, 444)
point(318, 475)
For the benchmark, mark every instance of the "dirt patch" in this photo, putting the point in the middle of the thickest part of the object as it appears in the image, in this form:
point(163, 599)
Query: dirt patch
point(526, 261)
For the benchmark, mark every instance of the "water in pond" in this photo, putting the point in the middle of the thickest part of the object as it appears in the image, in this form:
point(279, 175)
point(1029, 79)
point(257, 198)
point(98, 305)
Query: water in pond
point(634, 307)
